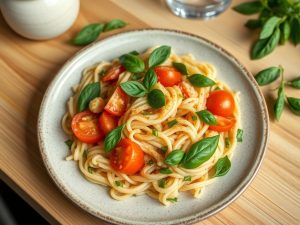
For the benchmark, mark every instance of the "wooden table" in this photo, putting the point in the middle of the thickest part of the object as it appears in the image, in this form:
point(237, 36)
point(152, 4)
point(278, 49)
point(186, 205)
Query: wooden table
point(27, 67)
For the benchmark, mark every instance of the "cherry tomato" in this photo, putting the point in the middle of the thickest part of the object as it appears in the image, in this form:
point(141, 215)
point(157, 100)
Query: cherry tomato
point(107, 122)
point(127, 157)
point(167, 75)
point(85, 127)
point(117, 103)
point(113, 73)
point(223, 124)
point(220, 103)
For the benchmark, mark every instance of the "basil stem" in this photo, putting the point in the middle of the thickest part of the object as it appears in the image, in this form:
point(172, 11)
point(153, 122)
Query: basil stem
point(207, 117)
point(88, 34)
point(114, 24)
point(200, 80)
point(200, 152)
point(156, 99)
point(222, 167)
point(159, 55)
point(174, 157)
point(113, 138)
point(133, 88)
point(88, 93)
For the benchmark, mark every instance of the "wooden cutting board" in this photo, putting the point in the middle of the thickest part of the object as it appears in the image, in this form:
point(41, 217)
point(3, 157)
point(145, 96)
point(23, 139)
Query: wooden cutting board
point(27, 67)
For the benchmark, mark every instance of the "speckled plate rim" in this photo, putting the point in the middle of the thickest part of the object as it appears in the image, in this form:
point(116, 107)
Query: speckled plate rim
point(199, 216)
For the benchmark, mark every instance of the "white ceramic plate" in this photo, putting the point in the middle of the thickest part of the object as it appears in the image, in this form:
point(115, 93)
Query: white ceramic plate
point(144, 210)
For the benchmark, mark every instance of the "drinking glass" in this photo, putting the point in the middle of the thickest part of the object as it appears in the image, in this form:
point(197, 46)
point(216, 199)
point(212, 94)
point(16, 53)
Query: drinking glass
point(203, 9)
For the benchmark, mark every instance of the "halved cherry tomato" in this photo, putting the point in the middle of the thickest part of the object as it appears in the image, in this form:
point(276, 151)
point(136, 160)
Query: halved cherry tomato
point(117, 103)
point(223, 124)
point(167, 75)
point(113, 73)
point(220, 103)
point(107, 122)
point(86, 128)
point(127, 157)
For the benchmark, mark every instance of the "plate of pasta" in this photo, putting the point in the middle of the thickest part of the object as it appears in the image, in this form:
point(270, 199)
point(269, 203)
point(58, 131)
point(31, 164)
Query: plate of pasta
point(164, 124)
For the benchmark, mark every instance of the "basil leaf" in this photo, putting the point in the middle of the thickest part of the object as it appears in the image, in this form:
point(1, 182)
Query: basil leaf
point(295, 30)
point(200, 152)
point(133, 88)
point(165, 171)
point(248, 8)
point(269, 27)
point(88, 93)
point(150, 79)
point(285, 29)
point(253, 24)
point(132, 63)
point(156, 99)
point(113, 138)
point(119, 183)
point(90, 169)
point(279, 104)
point(222, 167)
point(172, 123)
point(199, 80)
point(187, 178)
point(88, 34)
point(136, 76)
point(173, 200)
point(162, 183)
point(295, 83)
point(264, 47)
point(174, 157)
point(207, 117)
point(114, 24)
point(134, 52)
point(159, 55)
point(239, 135)
point(294, 104)
point(227, 142)
point(268, 75)
point(181, 68)
point(69, 143)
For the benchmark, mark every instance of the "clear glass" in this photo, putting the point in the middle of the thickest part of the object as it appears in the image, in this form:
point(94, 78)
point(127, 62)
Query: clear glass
point(194, 9)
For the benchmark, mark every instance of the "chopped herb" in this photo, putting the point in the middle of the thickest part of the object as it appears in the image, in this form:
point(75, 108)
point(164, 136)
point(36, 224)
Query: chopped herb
point(239, 135)
point(147, 113)
point(165, 171)
point(162, 183)
point(194, 118)
point(217, 88)
point(85, 154)
point(187, 178)
point(101, 73)
point(172, 123)
point(164, 149)
point(69, 143)
point(150, 162)
point(90, 169)
point(227, 142)
point(173, 200)
point(119, 183)
point(155, 132)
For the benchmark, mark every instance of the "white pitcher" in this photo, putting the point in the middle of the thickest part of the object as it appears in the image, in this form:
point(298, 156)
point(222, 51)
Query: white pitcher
point(40, 19)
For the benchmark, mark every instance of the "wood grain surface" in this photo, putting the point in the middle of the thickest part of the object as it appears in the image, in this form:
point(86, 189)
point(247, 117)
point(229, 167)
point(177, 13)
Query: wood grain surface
point(27, 67)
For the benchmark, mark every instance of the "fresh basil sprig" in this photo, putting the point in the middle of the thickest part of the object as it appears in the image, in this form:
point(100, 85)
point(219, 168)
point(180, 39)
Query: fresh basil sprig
point(200, 152)
point(207, 117)
point(150, 79)
point(88, 93)
point(88, 34)
point(133, 88)
point(159, 55)
point(295, 83)
point(113, 138)
point(268, 75)
point(199, 80)
point(114, 24)
point(132, 63)
point(175, 157)
point(294, 104)
point(279, 104)
point(222, 166)
point(156, 99)
point(181, 68)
